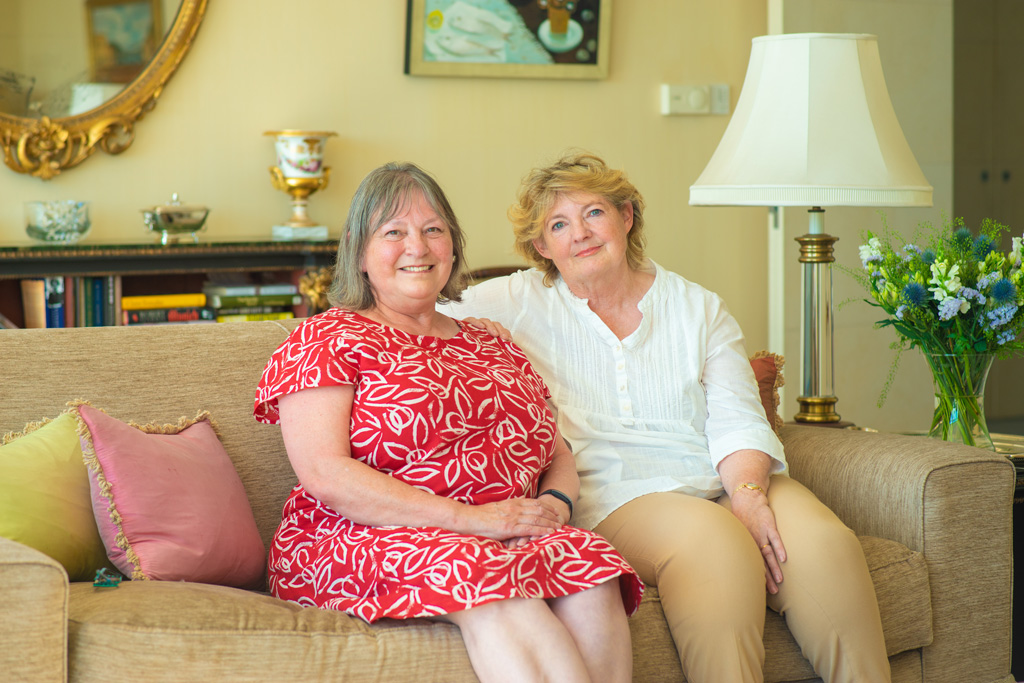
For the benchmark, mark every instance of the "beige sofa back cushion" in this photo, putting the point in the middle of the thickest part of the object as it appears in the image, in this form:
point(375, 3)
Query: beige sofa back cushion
point(158, 374)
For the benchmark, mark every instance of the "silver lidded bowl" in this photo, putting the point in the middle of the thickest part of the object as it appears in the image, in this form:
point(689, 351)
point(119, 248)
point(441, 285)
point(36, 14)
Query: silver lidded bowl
point(57, 221)
point(174, 219)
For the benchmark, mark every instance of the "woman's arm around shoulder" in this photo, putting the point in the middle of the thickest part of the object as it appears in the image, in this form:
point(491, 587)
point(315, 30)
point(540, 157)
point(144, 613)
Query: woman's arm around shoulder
point(498, 299)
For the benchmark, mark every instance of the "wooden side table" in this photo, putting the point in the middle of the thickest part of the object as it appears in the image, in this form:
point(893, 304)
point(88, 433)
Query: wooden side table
point(1012, 446)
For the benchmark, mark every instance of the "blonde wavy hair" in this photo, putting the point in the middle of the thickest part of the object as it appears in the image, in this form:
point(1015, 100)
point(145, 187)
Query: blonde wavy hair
point(576, 172)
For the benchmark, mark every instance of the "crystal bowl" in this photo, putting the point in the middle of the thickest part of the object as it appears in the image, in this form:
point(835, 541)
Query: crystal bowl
point(57, 221)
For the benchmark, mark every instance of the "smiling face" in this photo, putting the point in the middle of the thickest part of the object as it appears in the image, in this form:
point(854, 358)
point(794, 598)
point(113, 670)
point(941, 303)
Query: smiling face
point(585, 236)
point(409, 258)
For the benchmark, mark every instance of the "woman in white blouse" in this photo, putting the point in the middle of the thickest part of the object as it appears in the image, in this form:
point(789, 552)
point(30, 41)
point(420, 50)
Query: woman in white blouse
point(679, 467)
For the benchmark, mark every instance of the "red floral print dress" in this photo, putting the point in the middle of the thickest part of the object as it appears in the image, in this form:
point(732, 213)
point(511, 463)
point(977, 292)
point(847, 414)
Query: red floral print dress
point(463, 417)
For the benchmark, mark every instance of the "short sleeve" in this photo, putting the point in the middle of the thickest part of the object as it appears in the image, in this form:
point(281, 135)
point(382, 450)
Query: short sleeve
point(318, 353)
point(505, 354)
point(736, 417)
point(524, 365)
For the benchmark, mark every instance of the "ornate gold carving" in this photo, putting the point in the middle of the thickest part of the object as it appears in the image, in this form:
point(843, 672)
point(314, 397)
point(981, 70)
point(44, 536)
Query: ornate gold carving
point(299, 189)
point(313, 285)
point(44, 147)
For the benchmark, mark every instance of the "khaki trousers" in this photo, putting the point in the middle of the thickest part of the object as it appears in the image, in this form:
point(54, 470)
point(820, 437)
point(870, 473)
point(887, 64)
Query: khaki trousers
point(711, 578)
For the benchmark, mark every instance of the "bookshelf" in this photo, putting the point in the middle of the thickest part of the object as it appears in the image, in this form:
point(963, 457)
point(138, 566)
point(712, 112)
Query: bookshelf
point(152, 268)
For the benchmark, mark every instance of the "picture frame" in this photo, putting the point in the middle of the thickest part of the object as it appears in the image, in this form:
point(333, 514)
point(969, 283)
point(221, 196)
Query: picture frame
point(568, 39)
point(123, 36)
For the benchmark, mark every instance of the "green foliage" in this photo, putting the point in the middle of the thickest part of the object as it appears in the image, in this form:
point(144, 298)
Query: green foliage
point(947, 291)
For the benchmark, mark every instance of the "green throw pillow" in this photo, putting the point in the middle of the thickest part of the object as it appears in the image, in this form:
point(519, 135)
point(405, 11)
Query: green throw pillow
point(44, 496)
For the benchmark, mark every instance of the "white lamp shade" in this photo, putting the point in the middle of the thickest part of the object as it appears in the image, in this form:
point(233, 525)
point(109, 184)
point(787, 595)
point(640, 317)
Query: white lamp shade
point(814, 126)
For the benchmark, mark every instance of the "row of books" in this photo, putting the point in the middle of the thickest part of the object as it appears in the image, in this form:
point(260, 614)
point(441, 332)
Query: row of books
point(81, 301)
point(86, 301)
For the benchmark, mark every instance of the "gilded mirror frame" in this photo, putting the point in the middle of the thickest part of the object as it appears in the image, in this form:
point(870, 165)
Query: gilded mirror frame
point(44, 147)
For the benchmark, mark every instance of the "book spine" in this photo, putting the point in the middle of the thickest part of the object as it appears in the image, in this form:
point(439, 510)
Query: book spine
point(97, 302)
point(230, 290)
point(112, 302)
point(303, 308)
point(245, 310)
point(33, 302)
point(167, 315)
point(259, 300)
point(87, 309)
point(251, 317)
point(69, 301)
point(137, 303)
point(80, 287)
point(54, 288)
point(183, 322)
point(270, 289)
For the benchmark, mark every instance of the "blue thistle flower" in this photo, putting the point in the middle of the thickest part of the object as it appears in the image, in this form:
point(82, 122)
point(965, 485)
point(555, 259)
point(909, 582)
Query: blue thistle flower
point(983, 246)
point(962, 239)
point(914, 294)
point(928, 256)
point(1004, 291)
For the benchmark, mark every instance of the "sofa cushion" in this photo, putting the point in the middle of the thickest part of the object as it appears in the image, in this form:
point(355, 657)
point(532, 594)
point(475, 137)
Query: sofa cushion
point(220, 633)
point(899, 575)
point(216, 633)
point(44, 496)
point(168, 502)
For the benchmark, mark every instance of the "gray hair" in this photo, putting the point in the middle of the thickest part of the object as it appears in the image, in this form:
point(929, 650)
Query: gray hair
point(385, 193)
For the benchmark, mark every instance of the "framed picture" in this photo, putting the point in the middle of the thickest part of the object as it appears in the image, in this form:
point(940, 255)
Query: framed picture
point(123, 37)
point(508, 38)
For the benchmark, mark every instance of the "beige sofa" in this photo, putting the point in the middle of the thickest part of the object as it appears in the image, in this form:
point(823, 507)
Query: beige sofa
point(934, 520)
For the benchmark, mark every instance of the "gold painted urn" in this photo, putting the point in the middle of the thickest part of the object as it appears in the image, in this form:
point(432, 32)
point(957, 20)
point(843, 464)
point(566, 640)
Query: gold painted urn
point(300, 172)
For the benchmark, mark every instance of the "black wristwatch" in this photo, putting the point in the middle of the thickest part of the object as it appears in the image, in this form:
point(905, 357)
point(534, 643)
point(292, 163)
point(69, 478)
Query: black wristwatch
point(559, 495)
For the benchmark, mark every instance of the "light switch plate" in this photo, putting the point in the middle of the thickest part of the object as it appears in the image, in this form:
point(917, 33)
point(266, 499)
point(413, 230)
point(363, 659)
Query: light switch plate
point(694, 99)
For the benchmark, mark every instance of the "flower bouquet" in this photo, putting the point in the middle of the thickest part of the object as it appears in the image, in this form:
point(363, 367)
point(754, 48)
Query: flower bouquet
point(961, 301)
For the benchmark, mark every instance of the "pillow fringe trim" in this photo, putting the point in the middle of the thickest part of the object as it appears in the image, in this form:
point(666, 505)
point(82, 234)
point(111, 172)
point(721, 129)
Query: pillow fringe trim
point(780, 381)
point(30, 427)
point(92, 462)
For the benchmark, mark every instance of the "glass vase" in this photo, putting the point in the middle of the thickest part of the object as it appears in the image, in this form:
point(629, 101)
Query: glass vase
point(959, 381)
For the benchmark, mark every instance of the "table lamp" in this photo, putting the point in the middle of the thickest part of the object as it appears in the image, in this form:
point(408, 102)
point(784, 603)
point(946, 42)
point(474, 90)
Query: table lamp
point(814, 126)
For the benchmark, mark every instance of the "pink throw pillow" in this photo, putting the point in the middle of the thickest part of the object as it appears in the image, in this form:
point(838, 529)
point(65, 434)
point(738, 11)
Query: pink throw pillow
point(168, 502)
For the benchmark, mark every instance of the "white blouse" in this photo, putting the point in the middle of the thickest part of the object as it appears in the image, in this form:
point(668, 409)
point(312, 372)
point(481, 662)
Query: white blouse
point(656, 411)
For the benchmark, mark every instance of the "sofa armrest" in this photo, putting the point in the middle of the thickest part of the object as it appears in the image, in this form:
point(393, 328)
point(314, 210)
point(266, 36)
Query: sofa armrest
point(33, 614)
point(954, 504)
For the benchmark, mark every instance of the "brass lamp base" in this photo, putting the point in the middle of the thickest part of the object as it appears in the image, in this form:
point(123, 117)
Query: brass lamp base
point(818, 400)
point(299, 189)
point(817, 409)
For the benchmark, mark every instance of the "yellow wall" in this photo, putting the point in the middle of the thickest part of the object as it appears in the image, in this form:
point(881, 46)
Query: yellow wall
point(915, 43)
point(261, 65)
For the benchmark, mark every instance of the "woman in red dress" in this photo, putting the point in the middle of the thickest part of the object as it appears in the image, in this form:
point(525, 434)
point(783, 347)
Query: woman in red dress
point(432, 479)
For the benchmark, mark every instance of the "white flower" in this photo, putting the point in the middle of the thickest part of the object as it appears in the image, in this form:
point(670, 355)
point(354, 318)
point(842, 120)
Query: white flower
point(1014, 255)
point(945, 279)
point(870, 252)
